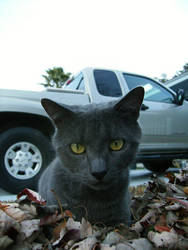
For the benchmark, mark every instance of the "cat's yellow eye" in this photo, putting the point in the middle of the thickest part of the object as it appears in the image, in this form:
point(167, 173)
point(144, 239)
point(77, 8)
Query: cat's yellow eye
point(77, 148)
point(116, 145)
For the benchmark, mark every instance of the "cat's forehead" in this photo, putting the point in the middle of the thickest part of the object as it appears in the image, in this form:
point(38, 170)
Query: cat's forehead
point(89, 118)
point(90, 121)
point(100, 118)
point(102, 114)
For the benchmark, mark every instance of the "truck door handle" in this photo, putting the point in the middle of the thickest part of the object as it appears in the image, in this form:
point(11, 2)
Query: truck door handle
point(144, 107)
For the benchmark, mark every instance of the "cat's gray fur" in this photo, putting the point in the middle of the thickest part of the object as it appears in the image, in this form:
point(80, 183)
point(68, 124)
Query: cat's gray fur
point(104, 200)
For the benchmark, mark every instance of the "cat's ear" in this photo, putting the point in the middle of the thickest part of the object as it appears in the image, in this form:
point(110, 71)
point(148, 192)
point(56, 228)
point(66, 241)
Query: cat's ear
point(131, 103)
point(56, 112)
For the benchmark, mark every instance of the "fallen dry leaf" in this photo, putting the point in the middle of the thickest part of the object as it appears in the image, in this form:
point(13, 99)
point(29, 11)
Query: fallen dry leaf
point(3, 206)
point(86, 244)
point(159, 212)
point(185, 189)
point(161, 229)
point(32, 196)
point(29, 226)
point(184, 203)
point(13, 210)
point(86, 229)
point(164, 239)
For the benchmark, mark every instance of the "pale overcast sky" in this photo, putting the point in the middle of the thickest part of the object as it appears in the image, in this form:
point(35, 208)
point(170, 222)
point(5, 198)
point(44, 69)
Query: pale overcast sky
point(141, 36)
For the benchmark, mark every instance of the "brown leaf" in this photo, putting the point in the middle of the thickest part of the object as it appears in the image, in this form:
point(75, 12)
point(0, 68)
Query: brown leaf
point(171, 218)
point(185, 190)
point(162, 220)
point(66, 231)
point(148, 219)
point(58, 229)
point(180, 230)
point(50, 219)
point(153, 210)
point(161, 229)
point(182, 177)
point(85, 228)
point(6, 222)
point(156, 204)
point(126, 232)
point(29, 226)
point(170, 177)
point(176, 189)
point(3, 206)
point(182, 202)
point(138, 190)
point(16, 213)
point(173, 207)
point(72, 224)
point(32, 196)
point(164, 239)
point(73, 234)
point(85, 244)
point(68, 213)
point(96, 246)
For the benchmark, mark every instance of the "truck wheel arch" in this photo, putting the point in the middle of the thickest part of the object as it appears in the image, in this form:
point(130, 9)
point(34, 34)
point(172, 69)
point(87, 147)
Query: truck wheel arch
point(15, 119)
point(35, 131)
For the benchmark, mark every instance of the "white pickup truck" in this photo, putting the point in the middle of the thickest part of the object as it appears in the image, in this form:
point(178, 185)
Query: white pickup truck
point(25, 129)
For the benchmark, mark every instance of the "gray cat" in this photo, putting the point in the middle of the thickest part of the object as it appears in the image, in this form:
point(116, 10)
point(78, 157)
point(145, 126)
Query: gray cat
point(94, 145)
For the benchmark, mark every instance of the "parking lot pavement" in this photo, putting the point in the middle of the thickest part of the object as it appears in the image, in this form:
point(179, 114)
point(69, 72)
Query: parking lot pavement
point(137, 177)
point(5, 196)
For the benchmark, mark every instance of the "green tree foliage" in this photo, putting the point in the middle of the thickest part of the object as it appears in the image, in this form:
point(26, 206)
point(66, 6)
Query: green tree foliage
point(56, 77)
point(184, 70)
point(164, 79)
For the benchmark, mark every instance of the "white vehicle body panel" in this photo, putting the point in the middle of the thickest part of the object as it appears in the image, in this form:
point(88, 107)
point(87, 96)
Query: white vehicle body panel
point(164, 125)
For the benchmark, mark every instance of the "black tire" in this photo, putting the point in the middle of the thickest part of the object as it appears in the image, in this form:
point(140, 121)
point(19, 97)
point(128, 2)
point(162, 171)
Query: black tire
point(21, 167)
point(158, 166)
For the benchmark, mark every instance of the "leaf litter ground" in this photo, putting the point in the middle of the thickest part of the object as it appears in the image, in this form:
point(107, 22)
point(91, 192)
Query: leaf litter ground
point(159, 211)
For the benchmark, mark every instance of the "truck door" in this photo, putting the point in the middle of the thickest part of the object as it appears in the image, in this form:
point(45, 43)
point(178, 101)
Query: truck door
point(163, 123)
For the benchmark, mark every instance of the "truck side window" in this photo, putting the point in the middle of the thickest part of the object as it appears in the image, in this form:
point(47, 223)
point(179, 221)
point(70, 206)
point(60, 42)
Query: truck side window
point(107, 83)
point(153, 91)
point(76, 83)
point(81, 85)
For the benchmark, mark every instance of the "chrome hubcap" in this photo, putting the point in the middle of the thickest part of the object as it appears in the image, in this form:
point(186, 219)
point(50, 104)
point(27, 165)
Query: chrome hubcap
point(23, 160)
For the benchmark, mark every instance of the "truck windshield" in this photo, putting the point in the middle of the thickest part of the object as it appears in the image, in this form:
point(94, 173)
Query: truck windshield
point(107, 83)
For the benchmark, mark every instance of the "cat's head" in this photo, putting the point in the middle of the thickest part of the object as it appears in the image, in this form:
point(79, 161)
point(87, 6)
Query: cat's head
point(97, 142)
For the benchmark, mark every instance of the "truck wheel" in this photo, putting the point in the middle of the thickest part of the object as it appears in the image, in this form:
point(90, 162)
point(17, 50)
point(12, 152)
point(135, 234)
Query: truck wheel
point(24, 153)
point(158, 166)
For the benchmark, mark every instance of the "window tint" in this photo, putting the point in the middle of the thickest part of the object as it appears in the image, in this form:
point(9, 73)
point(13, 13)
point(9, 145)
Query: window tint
point(107, 83)
point(76, 83)
point(153, 91)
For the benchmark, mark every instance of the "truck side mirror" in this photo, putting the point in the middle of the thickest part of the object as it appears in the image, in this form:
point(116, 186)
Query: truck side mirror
point(180, 96)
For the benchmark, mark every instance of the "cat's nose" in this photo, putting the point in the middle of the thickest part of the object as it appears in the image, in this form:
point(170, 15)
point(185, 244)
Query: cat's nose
point(98, 168)
point(99, 175)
